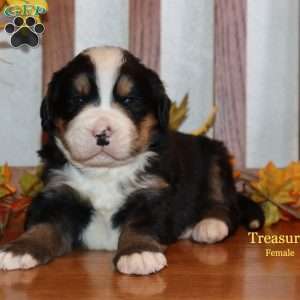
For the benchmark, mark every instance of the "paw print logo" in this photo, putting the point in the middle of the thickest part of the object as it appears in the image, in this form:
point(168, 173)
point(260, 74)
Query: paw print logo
point(24, 32)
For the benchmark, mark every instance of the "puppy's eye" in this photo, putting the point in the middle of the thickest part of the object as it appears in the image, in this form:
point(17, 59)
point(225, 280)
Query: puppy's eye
point(129, 100)
point(77, 100)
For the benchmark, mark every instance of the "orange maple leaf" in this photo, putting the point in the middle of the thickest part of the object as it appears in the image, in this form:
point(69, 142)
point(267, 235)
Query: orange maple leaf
point(6, 187)
point(282, 186)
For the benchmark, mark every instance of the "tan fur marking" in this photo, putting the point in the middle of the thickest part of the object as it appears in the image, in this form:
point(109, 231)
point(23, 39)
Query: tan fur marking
point(61, 125)
point(141, 138)
point(145, 129)
point(82, 84)
point(154, 182)
point(134, 134)
point(124, 86)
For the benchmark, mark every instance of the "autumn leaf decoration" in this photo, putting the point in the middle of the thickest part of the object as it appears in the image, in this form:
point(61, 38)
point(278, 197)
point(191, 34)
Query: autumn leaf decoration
point(209, 123)
point(179, 113)
point(6, 187)
point(277, 190)
point(30, 183)
point(13, 200)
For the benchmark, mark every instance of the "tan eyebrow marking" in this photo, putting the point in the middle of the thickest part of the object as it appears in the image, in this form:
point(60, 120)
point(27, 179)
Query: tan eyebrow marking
point(82, 84)
point(124, 85)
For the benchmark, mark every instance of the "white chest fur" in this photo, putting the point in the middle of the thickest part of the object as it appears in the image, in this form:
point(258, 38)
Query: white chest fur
point(106, 189)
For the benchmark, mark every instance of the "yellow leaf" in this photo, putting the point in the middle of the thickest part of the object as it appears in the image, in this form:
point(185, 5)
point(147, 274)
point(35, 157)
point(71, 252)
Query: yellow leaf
point(6, 188)
point(280, 185)
point(208, 123)
point(6, 172)
point(30, 184)
point(178, 113)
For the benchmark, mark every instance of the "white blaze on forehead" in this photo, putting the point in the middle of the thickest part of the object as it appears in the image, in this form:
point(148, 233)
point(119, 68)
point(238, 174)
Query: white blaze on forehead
point(108, 61)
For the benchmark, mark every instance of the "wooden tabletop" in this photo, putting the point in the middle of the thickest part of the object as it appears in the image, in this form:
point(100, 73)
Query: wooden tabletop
point(233, 269)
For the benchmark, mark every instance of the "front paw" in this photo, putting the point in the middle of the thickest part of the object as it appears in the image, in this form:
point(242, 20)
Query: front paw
point(209, 231)
point(22, 254)
point(143, 263)
point(11, 261)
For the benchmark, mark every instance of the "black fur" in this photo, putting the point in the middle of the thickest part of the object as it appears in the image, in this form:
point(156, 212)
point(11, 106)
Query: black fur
point(63, 100)
point(51, 156)
point(187, 200)
point(250, 211)
point(148, 91)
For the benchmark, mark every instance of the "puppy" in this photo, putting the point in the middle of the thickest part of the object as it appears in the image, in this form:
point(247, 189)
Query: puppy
point(116, 178)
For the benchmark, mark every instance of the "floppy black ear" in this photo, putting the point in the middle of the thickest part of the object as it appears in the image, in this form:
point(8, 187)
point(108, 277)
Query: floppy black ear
point(164, 111)
point(46, 118)
point(163, 101)
point(46, 110)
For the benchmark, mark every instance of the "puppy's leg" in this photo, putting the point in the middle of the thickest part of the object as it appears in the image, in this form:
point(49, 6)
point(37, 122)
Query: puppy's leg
point(139, 254)
point(36, 246)
point(220, 217)
point(54, 223)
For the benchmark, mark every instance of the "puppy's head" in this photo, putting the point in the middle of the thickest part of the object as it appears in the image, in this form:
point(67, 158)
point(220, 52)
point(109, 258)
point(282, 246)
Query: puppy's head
point(105, 107)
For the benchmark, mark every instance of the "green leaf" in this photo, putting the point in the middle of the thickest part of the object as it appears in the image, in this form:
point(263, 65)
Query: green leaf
point(30, 184)
point(271, 212)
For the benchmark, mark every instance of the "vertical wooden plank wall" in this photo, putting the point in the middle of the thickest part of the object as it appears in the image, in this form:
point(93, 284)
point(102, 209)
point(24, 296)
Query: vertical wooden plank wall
point(144, 41)
point(144, 34)
point(144, 31)
point(58, 39)
point(230, 75)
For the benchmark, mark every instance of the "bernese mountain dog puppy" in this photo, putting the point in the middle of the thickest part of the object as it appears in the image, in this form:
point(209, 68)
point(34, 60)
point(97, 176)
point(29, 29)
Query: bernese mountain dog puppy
point(116, 178)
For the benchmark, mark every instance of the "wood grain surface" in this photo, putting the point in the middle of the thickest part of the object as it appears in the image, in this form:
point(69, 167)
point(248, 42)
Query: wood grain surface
point(233, 270)
point(230, 75)
point(58, 39)
point(144, 31)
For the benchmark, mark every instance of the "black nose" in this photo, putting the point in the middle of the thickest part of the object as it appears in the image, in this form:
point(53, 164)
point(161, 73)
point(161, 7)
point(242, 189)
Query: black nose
point(102, 139)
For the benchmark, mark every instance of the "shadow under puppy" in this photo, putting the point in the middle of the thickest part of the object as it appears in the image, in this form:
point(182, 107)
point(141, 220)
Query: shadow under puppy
point(116, 177)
